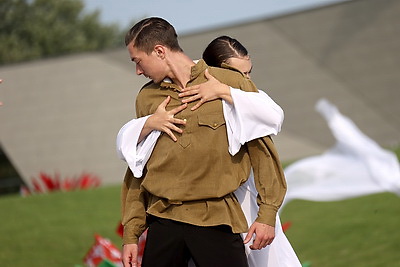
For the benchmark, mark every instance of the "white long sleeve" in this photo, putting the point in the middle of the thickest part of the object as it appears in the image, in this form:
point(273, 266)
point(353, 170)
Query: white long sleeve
point(253, 115)
point(134, 153)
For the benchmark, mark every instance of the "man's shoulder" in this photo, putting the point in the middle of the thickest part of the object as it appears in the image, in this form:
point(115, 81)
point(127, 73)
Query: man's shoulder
point(233, 78)
point(217, 71)
point(150, 85)
point(148, 88)
point(144, 99)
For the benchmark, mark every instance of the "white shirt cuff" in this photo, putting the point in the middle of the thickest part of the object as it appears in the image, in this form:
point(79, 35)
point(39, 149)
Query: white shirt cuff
point(134, 153)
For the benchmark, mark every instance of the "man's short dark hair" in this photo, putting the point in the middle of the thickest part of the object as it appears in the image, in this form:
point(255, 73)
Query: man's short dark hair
point(150, 32)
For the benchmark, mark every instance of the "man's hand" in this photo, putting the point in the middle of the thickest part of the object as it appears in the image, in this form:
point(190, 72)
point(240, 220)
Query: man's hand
point(129, 255)
point(207, 91)
point(265, 234)
point(164, 120)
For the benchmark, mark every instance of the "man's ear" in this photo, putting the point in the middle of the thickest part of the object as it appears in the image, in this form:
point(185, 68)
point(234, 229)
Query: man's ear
point(160, 51)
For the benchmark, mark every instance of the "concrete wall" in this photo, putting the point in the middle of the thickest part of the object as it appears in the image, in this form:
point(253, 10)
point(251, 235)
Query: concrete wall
point(63, 114)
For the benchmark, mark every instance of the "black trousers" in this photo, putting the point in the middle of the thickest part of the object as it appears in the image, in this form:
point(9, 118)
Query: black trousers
point(172, 244)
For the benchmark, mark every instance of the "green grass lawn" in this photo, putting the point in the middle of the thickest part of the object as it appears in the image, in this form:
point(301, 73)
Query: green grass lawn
point(58, 229)
point(355, 232)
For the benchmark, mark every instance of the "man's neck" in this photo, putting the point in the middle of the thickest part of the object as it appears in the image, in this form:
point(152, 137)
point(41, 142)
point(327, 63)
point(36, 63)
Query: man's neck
point(180, 66)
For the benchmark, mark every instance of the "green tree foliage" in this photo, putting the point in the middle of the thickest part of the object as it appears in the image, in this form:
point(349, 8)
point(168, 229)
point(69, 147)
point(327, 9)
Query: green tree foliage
point(31, 29)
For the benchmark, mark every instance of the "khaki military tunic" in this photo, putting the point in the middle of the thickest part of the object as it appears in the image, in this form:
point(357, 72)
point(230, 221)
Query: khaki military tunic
point(193, 180)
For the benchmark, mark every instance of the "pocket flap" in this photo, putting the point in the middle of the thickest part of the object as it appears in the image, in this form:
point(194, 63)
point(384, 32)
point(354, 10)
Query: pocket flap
point(211, 120)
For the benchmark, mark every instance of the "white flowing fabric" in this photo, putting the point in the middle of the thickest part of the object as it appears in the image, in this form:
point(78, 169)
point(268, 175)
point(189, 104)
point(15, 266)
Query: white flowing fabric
point(355, 166)
point(280, 253)
point(243, 124)
point(134, 153)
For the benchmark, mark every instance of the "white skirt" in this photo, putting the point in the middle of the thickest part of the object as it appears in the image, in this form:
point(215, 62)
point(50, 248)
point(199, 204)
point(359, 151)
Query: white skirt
point(280, 253)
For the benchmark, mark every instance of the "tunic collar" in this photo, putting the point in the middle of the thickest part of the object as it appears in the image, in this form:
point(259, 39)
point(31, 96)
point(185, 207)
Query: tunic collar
point(195, 72)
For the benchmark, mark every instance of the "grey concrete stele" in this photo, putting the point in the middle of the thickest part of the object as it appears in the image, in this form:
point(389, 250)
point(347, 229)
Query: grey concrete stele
point(63, 114)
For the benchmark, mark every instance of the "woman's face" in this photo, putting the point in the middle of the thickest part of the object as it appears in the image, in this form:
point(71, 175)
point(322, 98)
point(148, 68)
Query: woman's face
point(243, 64)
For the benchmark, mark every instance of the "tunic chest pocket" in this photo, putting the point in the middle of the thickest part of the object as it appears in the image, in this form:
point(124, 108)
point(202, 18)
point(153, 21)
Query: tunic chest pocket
point(211, 120)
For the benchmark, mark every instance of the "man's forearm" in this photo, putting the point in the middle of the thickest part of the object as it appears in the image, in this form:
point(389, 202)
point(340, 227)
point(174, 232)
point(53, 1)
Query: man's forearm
point(133, 208)
point(269, 178)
